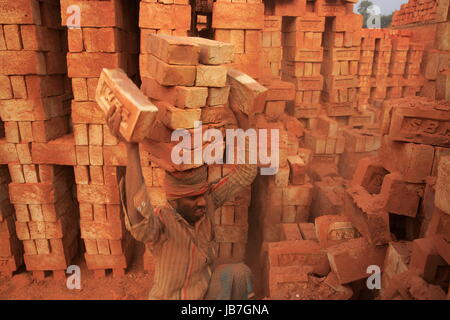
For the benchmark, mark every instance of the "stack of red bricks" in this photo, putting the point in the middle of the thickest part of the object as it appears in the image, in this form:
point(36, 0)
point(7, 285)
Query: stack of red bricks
point(105, 38)
point(342, 54)
point(389, 67)
point(35, 110)
point(399, 202)
point(240, 23)
point(172, 17)
point(11, 249)
point(158, 18)
point(418, 11)
point(271, 47)
point(167, 17)
point(436, 66)
point(393, 218)
point(282, 198)
point(325, 139)
point(302, 60)
point(188, 82)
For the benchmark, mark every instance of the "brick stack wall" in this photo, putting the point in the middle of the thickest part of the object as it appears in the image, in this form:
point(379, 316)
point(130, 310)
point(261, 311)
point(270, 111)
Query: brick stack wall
point(241, 23)
point(106, 38)
point(35, 111)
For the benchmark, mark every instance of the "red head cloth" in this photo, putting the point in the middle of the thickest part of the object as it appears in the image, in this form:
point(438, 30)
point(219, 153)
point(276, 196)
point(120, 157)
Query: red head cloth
point(184, 184)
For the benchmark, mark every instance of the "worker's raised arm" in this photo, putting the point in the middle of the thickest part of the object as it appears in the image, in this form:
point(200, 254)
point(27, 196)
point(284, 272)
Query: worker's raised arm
point(233, 183)
point(140, 217)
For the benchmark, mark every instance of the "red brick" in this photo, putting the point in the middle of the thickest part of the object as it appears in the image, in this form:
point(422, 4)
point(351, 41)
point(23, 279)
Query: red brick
point(81, 174)
point(324, 8)
point(244, 86)
point(44, 131)
point(334, 229)
point(298, 253)
point(75, 40)
point(32, 109)
point(45, 86)
point(22, 62)
point(161, 16)
point(115, 86)
point(297, 170)
point(102, 40)
point(310, 23)
point(165, 74)
point(92, 87)
point(25, 131)
point(110, 175)
point(32, 193)
point(60, 151)
point(38, 38)
point(280, 90)
point(211, 76)
point(95, 134)
point(100, 262)
point(96, 155)
point(350, 259)
point(100, 230)
point(370, 174)
point(290, 232)
point(87, 112)
point(290, 8)
point(418, 156)
point(98, 194)
point(18, 86)
point(82, 155)
point(12, 37)
point(420, 125)
point(109, 139)
point(24, 153)
point(90, 65)
point(348, 22)
point(45, 262)
point(308, 231)
point(94, 13)
point(238, 15)
point(115, 155)
point(283, 279)
point(20, 12)
point(370, 220)
point(401, 198)
point(214, 52)
point(397, 259)
point(442, 197)
point(6, 89)
point(173, 50)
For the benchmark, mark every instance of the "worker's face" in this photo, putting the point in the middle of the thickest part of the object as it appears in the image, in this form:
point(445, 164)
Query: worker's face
point(192, 208)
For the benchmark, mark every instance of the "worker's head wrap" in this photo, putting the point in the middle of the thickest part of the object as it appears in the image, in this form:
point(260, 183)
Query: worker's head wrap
point(184, 184)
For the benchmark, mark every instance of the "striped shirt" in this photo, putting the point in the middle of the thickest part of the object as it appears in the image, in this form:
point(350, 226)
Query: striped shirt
point(184, 254)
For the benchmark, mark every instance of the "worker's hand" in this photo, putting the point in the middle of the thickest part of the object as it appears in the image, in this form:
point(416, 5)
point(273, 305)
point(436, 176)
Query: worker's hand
point(113, 119)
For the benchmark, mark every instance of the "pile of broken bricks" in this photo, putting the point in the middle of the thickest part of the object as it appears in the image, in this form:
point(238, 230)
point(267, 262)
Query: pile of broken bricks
point(394, 214)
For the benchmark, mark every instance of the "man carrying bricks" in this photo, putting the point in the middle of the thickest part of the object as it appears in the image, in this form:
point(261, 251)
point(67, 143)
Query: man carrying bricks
point(181, 234)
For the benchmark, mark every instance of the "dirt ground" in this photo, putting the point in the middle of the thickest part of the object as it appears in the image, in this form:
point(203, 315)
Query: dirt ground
point(134, 285)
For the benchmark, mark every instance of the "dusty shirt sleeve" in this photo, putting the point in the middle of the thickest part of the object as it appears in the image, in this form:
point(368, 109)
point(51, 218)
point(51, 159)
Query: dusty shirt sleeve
point(150, 228)
point(233, 183)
